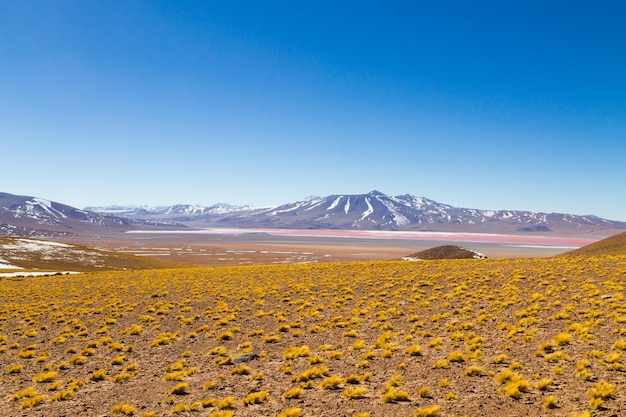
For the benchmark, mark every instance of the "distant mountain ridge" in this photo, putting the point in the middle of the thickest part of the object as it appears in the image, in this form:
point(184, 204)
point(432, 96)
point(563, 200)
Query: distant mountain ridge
point(38, 217)
point(374, 211)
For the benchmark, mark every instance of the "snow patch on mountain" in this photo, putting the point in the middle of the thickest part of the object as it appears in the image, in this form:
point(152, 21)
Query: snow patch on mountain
point(369, 210)
point(398, 219)
point(334, 203)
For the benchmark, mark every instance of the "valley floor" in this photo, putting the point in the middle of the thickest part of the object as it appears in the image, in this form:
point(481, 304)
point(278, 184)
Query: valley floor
point(214, 247)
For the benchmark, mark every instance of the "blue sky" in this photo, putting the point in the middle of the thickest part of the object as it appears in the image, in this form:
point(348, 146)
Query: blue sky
point(485, 104)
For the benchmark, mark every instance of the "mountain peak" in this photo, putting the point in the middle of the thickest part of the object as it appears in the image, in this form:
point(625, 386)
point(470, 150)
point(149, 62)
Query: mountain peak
point(375, 193)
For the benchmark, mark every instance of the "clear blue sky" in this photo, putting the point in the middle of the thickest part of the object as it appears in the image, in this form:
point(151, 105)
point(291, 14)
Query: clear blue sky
point(482, 104)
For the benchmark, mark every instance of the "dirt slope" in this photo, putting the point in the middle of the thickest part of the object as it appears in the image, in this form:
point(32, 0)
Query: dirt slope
point(614, 245)
point(23, 255)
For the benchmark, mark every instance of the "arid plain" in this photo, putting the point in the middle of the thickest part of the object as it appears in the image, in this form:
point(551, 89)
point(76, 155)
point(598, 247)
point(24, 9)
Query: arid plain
point(214, 247)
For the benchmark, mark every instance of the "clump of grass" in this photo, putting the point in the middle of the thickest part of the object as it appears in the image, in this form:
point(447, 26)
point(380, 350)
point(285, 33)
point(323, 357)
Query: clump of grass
point(271, 338)
point(550, 402)
point(427, 411)
point(209, 385)
point(395, 381)
point(164, 339)
point(562, 339)
point(121, 377)
point(180, 389)
point(28, 392)
point(515, 386)
point(474, 371)
point(556, 357)
point(14, 369)
point(255, 398)
point(123, 408)
point(335, 354)
point(225, 403)
point(78, 360)
point(499, 359)
point(290, 412)
point(133, 330)
point(293, 393)
point(241, 370)
point(368, 355)
point(88, 351)
point(33, 401)
point(449, 396)
point(354, 393)
point(225, 361)
point(436, 343)
point(98, 375)
point(62, 396)
point(352, 379)
point(331, 382)
point(177, 366)
point(544, 384)
point(414, 350)
point(600, 392)
point(393, 395)
point(219, 351)
point(424, 392)
point(118, 360)
point(619, 345)
point(441, 364)
point(456, 356)
point(293, 352)
point(312, 373)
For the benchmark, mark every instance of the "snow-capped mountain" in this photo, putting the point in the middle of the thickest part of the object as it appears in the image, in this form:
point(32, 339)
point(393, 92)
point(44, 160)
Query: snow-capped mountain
point(177, 212)
point(34, 216)
point(376, 211)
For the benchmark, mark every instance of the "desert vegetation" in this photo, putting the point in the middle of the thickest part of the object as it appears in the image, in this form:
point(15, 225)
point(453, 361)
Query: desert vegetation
point(430, 338)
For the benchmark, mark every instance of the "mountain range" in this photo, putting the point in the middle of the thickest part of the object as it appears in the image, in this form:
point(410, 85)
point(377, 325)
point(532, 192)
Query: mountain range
point(34, 216)
point(38, 217)
point(371, 211)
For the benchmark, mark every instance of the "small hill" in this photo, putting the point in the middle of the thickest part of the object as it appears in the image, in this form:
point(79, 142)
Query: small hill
point(33, 256)
point(614, 245)
point(445, 252)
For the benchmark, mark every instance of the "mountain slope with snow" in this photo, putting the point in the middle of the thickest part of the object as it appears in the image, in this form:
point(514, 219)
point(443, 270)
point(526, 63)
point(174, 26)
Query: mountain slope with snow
point(377, 211)
point(34, 216)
